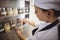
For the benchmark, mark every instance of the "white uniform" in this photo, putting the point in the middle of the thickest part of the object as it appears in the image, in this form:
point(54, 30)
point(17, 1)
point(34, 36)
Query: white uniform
point(51, 34)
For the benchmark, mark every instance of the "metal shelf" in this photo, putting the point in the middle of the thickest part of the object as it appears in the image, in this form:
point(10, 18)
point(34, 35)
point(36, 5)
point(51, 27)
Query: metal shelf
point(7, 18)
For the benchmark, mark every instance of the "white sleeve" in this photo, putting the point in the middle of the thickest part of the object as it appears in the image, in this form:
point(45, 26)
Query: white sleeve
point(32, 38)
point(26, 25)
point(35, 37)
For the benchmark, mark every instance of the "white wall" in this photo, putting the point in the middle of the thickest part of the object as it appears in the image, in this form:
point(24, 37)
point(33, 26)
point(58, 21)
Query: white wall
point(33, 17)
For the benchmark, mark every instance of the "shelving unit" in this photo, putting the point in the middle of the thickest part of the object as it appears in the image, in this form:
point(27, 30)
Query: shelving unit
point(14, 4)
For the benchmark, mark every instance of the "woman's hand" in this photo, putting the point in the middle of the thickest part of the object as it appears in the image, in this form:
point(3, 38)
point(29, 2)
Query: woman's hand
point(27, 21)
point(21, 36)
point(24, 20)
point(19, 31)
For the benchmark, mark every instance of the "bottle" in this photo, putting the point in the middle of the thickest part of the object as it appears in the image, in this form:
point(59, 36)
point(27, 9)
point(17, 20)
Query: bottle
point(7, 27)
point(26, 9)
point(0, 12)
point(17, 24)
point(3, 13)
point(10, 12)
point(15, 11)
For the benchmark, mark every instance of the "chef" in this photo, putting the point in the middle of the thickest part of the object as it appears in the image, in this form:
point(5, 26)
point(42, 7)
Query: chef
point(47, 11)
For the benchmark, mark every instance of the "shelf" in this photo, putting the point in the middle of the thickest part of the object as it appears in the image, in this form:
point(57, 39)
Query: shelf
point(7, 18)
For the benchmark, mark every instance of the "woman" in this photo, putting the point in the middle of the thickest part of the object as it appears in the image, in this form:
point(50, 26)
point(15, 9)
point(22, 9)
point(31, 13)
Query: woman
point(47, 11)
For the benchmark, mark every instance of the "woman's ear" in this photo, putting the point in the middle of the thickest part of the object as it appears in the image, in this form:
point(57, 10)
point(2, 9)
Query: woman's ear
point(50, 13)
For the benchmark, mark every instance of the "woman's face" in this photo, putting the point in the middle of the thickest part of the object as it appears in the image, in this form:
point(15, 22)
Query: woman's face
point(42, 15)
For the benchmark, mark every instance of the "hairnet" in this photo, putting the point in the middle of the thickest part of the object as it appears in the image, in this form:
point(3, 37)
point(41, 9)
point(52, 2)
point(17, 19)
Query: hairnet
point(48, 4)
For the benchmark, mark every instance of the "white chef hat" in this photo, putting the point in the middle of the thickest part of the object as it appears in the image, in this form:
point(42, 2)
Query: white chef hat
point(48, 4)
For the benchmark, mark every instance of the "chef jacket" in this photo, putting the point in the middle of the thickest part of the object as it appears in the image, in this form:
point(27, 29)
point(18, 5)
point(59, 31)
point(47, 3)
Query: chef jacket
point(50, 34)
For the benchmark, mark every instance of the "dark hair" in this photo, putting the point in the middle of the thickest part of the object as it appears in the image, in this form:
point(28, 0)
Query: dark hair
point(56, 12)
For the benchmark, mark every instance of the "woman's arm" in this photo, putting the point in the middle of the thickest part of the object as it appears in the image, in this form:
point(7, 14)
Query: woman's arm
point(21, 36)
point(29, 22)
point(19, 32)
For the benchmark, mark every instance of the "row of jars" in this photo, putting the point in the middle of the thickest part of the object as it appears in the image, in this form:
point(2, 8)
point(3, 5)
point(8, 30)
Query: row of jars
point(10, 11)
point(10, 25)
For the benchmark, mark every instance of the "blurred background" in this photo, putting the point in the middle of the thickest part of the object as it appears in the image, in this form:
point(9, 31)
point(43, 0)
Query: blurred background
point(13, 10)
